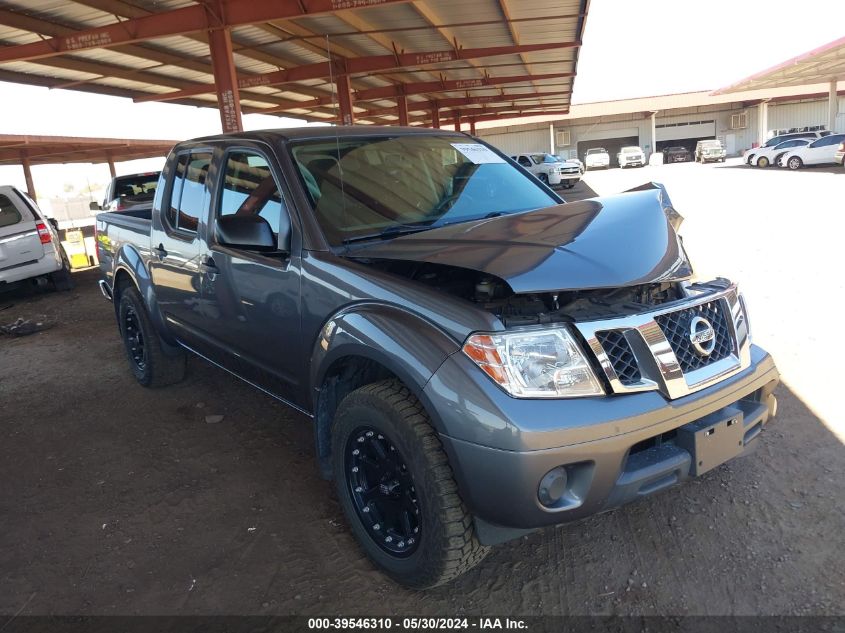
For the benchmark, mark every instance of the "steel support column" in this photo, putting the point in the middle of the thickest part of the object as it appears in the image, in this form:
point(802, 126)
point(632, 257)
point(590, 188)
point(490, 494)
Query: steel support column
point(762, 122)
point(402, 105)
point(832, 106)
point(472, 126)
point(111, 167)
point(457, 118)
point(435, 118)
point(27, 176)
point(225, 80)
point(344, 100)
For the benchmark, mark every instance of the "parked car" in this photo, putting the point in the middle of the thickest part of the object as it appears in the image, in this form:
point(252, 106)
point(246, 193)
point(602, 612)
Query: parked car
point(630, 157)
point(750, 155)
point(839, 156)
point(129, 192)
point(676, 154)
point(550, 169)
point(478, 359)
point(766, 156)
point(597, 158)
point(710, 150)
point(820, 152)
point(29, 243)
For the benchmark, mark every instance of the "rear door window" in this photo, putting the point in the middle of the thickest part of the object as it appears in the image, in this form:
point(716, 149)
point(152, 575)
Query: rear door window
point(189, 196)
point(9, 214)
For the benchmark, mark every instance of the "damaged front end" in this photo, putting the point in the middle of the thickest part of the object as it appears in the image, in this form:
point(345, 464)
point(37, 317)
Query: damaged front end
point(584, 260)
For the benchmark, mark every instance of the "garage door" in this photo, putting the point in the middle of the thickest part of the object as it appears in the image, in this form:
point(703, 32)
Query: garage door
point(684, 134)
point(612, 145)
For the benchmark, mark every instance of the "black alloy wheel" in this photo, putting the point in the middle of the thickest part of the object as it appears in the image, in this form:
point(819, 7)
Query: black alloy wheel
point(383, 492)
point(134, 338)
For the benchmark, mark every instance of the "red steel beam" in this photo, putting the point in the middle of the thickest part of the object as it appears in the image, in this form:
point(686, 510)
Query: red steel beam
point(419, 106)
point(369, 64)
point(435, 117)
point(417, 88)
point(344, 100)
point(199, 17)
point(502, 112)
point(402, 106)
point(225, 80)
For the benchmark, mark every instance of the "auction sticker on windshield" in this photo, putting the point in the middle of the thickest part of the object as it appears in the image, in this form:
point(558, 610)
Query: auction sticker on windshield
point(478, 153)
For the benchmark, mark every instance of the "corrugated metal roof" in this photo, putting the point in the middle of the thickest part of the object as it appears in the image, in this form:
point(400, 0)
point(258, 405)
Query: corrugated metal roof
point(823, 64)
point(178, 61)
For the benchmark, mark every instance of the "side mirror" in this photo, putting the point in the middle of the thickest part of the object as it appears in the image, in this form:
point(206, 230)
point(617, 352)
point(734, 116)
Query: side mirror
point(94, 206)
point(251, 232)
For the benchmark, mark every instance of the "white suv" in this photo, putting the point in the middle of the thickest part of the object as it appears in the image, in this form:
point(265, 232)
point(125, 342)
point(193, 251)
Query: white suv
point(597, 157)
point(550, 169)
point(630, 157)
point(29, 245)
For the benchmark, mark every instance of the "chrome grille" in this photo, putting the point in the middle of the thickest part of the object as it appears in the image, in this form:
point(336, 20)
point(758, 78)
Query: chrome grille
point(653, 350)
point(676, 328)
point(621, 356)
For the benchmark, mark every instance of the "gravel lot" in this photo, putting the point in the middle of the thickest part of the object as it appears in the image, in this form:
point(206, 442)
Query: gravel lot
point(119, 500)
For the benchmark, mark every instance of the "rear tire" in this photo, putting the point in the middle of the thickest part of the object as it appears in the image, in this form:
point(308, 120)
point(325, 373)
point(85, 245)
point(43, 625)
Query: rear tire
point(795, 163)
point(62, 279)
point(147, 359)
point(382, 440)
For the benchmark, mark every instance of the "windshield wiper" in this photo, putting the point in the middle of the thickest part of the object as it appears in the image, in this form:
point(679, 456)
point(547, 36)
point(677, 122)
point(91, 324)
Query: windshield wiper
point(389, 233)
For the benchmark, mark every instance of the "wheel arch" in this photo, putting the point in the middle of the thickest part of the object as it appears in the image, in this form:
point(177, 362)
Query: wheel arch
point(367, 344)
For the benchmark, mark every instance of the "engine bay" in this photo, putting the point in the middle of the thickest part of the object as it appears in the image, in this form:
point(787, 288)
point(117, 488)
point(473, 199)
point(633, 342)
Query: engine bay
point(495, 295)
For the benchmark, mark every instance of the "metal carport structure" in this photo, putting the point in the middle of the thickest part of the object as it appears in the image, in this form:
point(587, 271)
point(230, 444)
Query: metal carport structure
point(365, 61)
point(825, 64)
point(26, 150)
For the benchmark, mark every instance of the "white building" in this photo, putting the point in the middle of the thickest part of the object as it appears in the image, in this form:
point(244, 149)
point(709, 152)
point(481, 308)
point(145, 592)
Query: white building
point(680, 119)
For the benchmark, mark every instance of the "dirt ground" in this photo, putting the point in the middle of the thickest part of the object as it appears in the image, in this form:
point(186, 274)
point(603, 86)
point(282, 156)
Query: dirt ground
point(115, 499)
point(119, 500)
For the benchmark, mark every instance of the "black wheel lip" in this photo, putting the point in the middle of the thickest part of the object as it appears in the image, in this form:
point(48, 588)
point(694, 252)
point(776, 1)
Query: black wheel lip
point(138, 353)
point(388, 545)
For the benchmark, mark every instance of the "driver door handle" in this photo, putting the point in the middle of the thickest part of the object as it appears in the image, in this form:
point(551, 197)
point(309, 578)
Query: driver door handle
point(207, 266)
point(160, 252)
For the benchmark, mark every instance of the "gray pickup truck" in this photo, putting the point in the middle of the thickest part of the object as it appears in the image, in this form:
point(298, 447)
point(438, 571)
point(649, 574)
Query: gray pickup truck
point(478, 358)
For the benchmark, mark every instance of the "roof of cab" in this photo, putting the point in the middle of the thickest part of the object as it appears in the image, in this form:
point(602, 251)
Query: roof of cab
point(327, 131)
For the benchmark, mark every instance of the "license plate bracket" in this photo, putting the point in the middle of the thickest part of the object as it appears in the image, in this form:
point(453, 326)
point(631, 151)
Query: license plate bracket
point(712, 440)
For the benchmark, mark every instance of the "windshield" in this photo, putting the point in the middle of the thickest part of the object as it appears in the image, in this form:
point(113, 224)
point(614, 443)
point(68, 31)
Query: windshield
point(545, 158)
point(378, 187)
point(711, 144)
point(631, 150)
point(597, 150)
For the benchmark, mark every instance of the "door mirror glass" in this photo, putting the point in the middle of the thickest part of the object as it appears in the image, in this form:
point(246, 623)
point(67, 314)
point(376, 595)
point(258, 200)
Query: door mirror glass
point(94, 206)
point(250, 232)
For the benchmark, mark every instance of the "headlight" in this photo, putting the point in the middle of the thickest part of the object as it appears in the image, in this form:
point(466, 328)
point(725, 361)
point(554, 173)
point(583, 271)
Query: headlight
point(534, 363)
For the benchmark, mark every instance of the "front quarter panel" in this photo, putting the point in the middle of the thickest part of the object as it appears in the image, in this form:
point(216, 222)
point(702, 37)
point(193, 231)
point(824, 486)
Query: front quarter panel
point(405, 344)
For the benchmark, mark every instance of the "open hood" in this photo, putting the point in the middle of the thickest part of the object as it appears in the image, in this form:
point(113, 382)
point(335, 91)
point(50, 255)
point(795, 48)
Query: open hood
point(610, 242)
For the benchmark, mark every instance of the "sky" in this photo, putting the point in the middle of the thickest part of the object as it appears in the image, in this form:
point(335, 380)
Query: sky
point(631, 48)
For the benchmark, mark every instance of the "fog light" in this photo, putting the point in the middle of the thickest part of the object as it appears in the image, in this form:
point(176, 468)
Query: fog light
point(552, 486)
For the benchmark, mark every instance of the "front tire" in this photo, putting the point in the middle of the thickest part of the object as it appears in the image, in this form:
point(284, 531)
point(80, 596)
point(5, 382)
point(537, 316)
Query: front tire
point(794, 163)
point(763, 162)
point(147, 360)
point(397, 490)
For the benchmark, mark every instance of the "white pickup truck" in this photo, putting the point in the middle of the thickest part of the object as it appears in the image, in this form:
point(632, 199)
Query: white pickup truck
point(550, 169)
point(29, 245)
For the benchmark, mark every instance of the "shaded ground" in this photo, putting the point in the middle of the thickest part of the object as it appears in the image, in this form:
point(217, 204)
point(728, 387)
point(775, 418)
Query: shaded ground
point(119, 500)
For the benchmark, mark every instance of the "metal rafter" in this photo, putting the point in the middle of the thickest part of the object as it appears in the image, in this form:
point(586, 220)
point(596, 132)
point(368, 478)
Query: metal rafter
point(190, 19)
point(321, 70)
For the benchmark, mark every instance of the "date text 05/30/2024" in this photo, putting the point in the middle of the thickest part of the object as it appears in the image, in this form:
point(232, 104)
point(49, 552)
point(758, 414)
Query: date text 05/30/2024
point(412, 624)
